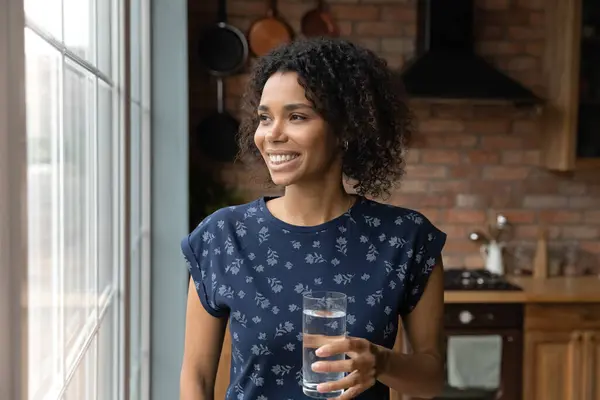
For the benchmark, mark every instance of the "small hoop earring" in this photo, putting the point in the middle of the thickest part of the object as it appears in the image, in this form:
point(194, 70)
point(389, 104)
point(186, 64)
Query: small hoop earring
point(345, 145)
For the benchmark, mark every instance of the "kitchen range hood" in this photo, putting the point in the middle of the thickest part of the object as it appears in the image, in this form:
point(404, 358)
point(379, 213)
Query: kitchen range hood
point(446, 65)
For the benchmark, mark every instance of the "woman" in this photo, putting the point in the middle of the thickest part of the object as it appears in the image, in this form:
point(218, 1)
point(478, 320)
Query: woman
point(317, 111)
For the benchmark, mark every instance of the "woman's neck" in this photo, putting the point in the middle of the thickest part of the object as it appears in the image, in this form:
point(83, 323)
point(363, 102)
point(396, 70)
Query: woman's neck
point(311, 205)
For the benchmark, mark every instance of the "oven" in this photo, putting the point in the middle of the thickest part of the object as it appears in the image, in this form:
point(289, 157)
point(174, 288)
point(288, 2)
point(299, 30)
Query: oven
point(484, 351)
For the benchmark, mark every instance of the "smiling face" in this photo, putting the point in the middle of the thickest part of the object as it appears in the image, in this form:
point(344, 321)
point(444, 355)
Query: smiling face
point(292, 137)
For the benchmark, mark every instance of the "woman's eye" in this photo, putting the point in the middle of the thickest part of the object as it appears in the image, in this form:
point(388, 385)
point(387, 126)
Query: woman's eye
point(263, 118)
point(296, 117)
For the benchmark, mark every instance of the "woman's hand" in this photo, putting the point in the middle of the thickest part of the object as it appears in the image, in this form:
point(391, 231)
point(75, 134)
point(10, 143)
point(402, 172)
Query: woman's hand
point(363, 366)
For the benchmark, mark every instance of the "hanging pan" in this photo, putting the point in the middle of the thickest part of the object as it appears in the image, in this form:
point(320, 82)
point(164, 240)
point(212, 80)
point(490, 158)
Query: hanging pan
point(223, 48)
point(218, 132)
point(269, 32)
point(319, 22)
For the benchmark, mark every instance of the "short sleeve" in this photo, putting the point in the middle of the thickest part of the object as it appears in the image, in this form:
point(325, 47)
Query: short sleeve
point(199, 253)
point(428, 245)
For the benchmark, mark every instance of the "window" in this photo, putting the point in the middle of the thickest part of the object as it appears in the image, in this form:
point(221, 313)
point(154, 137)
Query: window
point(87, 271)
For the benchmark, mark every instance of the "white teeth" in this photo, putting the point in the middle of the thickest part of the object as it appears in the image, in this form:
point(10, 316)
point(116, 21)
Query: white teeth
point(281, 158)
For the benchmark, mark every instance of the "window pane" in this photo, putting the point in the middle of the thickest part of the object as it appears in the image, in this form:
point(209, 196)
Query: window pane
point(79, 209)
point(47, 14)
point(83, 384)
point(107, 351)
point(79, 28)
point(42, 85)
point(105, 26)
point(106, 188)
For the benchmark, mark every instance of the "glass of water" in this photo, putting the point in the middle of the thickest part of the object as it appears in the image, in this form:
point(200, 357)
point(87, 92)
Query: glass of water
point(323, 321)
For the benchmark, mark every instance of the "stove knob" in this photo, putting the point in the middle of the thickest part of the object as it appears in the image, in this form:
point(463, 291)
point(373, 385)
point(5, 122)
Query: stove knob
point(465, 317)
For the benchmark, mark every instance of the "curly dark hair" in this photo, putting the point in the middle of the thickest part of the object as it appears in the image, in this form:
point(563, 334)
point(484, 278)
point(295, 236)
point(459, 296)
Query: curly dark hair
point(358, 96)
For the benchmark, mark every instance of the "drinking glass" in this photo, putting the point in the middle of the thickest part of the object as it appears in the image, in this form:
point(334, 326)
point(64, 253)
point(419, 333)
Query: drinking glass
point(323, 321)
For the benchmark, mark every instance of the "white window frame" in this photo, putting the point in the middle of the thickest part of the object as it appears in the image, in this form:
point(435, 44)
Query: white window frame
point(14, 211)
point(13, 203)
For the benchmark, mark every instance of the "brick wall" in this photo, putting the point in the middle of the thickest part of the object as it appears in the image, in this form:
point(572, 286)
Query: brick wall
point(466, 159)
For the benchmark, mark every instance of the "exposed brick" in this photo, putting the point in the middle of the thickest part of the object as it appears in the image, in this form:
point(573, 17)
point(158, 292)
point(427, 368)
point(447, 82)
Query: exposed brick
point(521, 157)
point(460, 246)
point(395, 61)
point(399, 13)
point(522, 63)
point(559, 216)
point(522, 33)
point(440, 156)
point(450, 141)
point(465, 216)
point(441, 125)
point(504, 17)
point(432, 214)
point(532, 231)
point(455, 231)
point(451, 111)
point(396, 45)
point(414, 186)
point(355, 12)
point(370, 43)
point(501, 47)
point(464, 172)
point(413, 156)
point(246, 8)
point(584, 202)
point(592, 217)
point(506, 173)
point(449, 186)
point(572, 188)
point(489, 126)
point(501, 142)
point(537, 18)
point(426, 171)
point(580, 232)
point(545, 201)
point(490, 32)
point(481, 157)
point(471, 201)
point(376, 29)
point(519, 216)
point(535, 49)
point(466, 157)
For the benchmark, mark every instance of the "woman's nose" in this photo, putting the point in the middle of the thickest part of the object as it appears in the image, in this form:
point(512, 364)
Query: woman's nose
point(276, 134)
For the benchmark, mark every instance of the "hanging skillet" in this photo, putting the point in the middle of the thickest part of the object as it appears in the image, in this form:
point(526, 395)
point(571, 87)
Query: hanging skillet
point(269, 32)
point(319, 22)
point(218, 132)
point(223, 48)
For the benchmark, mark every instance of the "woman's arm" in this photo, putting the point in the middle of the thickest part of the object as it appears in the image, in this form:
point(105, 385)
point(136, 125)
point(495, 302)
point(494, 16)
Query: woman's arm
point(203, 341)
point(420, 374)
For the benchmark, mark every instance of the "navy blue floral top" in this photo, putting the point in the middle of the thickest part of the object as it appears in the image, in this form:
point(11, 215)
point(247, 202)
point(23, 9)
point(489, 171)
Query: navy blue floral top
point(253, 268)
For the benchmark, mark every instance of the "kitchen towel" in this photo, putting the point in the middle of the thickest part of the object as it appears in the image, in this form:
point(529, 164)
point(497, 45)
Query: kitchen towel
point(474, 361)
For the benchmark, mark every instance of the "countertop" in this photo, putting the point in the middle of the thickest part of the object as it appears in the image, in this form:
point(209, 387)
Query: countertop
point(585, 289)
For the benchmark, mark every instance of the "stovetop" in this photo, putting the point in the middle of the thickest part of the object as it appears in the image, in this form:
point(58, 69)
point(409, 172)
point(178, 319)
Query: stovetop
point(475, 279)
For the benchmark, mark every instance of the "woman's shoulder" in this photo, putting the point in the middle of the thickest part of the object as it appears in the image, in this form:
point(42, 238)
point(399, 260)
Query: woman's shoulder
point(226, 223)
point(390, 215)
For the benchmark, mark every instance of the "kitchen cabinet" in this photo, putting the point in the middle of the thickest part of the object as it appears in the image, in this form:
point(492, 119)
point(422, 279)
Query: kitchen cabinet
point(571, 66)
point(562, 352)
